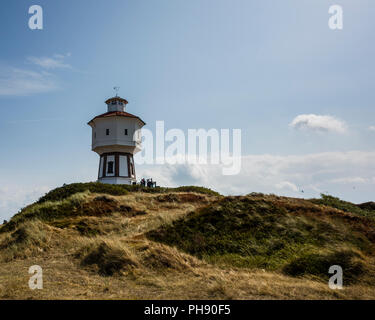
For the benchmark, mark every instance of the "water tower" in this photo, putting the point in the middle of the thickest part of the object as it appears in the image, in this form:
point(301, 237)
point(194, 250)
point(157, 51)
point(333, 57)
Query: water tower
point(116, 137)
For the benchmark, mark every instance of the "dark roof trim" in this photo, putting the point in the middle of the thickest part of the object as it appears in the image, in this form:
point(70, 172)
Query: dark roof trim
point(117, 114)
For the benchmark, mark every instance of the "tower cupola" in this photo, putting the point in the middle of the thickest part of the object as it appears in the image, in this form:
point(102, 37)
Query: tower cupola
point(116, 104)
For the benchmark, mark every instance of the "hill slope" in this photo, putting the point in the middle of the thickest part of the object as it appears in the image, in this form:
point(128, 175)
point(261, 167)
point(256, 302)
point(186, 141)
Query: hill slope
point(121, 242)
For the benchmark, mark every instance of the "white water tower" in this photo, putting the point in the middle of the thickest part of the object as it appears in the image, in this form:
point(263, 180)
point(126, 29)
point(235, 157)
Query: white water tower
point(116, 137)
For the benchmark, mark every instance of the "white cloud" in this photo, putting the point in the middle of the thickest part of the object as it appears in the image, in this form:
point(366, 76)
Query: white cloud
point(287, 185)
point(13, 198)
point(352, 180)
point(54, 62)
point(323, 123)
point(21, 81)
point(17, 82)
point(286, 175)
point(371, 128)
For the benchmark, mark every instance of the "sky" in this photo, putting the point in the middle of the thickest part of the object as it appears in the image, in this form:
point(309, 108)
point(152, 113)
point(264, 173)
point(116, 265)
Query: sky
point(301, 93)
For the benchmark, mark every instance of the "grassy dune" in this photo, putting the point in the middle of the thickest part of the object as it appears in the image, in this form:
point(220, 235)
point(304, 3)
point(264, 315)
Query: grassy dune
point(95, 241)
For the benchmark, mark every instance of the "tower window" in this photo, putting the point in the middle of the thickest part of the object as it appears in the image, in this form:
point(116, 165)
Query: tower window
point(110, 167)
point(113, 102)
point(107, 132)
point(126, 132)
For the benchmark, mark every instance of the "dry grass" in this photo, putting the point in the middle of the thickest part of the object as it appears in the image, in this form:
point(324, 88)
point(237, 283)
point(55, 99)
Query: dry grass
point(99, 250)
point(65, 279)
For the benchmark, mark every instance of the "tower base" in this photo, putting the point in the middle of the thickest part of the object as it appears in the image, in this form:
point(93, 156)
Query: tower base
point(116, 180)
point(116, 168)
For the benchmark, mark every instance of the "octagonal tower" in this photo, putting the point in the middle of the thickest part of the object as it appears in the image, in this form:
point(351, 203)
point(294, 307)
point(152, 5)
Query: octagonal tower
point(116, 137)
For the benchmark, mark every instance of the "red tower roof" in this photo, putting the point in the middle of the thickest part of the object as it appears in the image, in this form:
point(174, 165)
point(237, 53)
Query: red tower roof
point(116, 99)
point(118, 114)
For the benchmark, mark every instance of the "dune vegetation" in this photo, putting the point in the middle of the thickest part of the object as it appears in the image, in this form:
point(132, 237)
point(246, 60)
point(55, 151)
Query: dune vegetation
point(97, 241)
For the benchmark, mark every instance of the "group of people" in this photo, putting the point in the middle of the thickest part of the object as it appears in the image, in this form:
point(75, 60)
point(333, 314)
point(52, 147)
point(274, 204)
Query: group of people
point(148, 182)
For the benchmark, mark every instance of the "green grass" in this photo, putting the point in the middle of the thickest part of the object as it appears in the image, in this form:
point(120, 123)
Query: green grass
point(66, 191)
point(255, 233)
point(294, 236)
point(337, 203)
point(71, 207)
point(69, 201)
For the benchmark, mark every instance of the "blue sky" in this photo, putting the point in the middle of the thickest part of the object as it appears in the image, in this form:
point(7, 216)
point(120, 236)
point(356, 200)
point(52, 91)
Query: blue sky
point(254, 65)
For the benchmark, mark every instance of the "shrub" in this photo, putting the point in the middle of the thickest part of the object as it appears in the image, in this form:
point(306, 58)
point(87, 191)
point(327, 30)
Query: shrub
point(337, 203)
point(108, 258)
point(160, 256)
point(68, 190)
point(27, 240)
point(318, 265)
point(196, 189)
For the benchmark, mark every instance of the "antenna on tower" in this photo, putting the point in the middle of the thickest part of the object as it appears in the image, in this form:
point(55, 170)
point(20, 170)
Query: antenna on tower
point(117, 90)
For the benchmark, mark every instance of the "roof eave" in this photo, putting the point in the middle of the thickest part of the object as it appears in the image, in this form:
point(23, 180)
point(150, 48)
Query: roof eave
point(114, 115)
